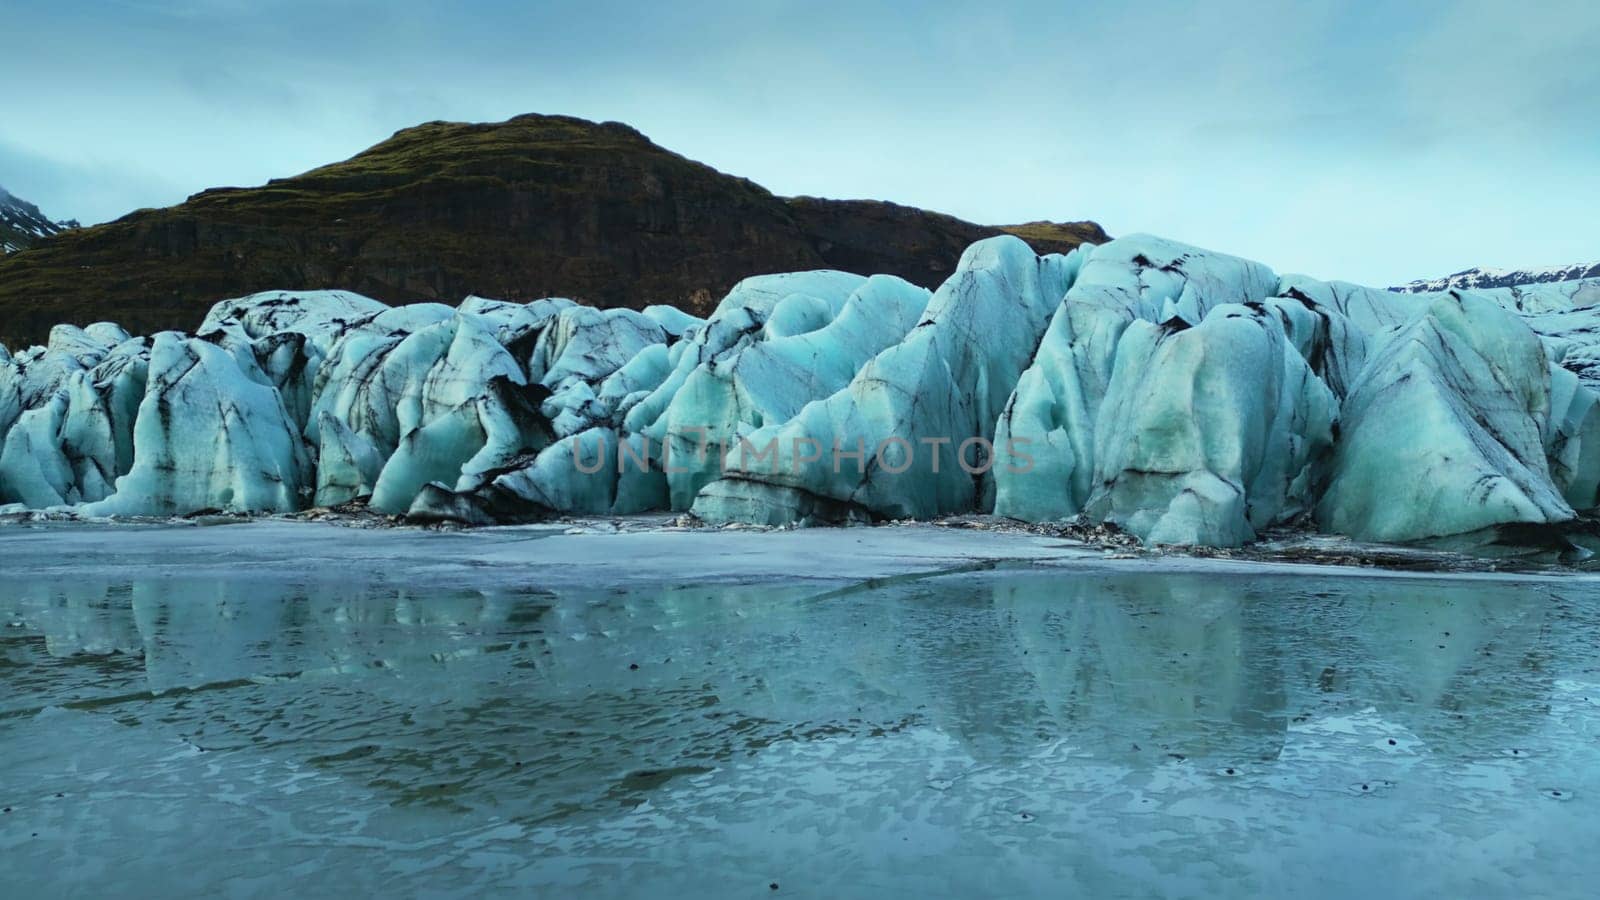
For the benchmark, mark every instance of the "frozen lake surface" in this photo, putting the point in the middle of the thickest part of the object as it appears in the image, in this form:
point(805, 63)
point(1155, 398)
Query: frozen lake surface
point(272, 708)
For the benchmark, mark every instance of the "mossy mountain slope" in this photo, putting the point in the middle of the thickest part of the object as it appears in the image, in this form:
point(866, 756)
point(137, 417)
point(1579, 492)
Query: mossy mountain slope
point(535, 206)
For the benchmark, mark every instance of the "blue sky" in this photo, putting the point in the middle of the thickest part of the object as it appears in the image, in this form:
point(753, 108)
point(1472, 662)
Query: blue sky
point(1341, 139)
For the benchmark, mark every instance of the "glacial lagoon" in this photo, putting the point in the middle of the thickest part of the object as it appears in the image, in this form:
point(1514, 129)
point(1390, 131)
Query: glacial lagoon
point(1057, 727)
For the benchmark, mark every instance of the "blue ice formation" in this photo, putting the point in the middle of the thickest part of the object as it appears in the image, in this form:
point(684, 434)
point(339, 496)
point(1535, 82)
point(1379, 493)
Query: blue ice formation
point(1186, 396)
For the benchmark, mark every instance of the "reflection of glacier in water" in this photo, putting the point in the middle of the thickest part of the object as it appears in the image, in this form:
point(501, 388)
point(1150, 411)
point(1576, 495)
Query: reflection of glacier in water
point(993, 733)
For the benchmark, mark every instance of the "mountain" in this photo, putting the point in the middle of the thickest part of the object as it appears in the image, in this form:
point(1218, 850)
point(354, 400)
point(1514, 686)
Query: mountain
point(535, 206)
point(21, 223)
point(1479, 279)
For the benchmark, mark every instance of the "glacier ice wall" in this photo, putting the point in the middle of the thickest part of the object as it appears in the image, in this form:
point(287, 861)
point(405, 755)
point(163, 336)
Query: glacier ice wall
point(922, 400)
point(1444, 429)
point(1187, 396)
point(1209, 432)
point(211, 432)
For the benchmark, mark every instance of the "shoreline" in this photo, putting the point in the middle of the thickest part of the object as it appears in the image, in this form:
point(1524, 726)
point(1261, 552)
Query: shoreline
point(630, 551)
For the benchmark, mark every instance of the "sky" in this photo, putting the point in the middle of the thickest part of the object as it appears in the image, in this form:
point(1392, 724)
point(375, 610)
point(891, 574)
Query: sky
point(1374, 142)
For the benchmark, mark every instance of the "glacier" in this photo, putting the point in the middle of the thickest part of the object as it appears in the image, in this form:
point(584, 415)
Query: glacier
point(1186, 396)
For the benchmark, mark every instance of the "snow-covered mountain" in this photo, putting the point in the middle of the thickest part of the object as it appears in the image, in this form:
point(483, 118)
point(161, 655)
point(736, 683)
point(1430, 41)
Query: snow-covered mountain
point(1477, 279)
point(21, 223)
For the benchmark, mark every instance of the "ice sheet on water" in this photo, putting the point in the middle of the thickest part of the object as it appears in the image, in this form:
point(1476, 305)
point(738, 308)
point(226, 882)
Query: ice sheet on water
point(1418, 737)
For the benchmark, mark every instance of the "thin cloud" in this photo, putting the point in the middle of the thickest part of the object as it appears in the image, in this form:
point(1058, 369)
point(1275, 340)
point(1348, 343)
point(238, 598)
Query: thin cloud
point(1377, 143)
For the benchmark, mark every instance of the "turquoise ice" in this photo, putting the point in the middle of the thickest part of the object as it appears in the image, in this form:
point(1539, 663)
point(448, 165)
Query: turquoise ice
point(1187, 396)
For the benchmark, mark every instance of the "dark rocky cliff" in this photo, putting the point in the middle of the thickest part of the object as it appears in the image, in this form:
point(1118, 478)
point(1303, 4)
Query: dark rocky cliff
point(532, 207)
